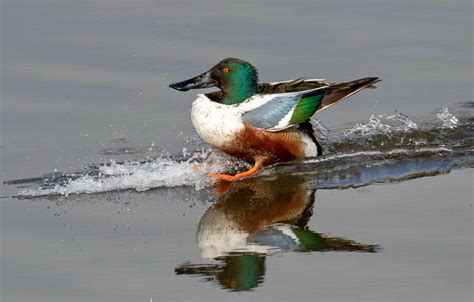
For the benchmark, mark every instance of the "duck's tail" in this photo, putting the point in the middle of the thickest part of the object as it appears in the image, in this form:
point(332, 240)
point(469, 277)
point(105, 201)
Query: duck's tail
point(338, 92)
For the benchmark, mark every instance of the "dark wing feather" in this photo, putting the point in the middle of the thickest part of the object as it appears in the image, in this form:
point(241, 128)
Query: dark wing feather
point(295, 85)
point(338, 92)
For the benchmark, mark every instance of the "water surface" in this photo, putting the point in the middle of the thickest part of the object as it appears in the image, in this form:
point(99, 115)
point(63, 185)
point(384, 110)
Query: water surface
point(106, 197)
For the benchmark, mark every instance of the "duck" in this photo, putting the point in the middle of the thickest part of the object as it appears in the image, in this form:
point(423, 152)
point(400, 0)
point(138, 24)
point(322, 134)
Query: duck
point(261, 123)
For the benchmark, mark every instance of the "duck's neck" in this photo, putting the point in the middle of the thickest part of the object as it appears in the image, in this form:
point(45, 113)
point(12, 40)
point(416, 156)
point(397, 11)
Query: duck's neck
point(238, 96)
point(243, 88)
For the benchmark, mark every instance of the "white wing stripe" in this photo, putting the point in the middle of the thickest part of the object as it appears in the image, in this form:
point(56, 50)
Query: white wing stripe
point(285, 121)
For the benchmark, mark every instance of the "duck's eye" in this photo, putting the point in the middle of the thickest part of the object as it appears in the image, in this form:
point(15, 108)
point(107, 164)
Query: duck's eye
point(225, 70)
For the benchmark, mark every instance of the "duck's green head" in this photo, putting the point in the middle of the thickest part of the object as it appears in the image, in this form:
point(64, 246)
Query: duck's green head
point(237, 79)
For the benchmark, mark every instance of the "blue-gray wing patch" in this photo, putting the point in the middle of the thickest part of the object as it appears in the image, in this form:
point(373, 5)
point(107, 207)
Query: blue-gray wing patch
point(270, 114)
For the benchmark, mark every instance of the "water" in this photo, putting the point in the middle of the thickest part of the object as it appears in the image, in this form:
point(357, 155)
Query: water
point(387, 147)
point(104, 188)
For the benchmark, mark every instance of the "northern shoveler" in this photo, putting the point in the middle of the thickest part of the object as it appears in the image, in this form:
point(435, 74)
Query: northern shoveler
point(262, 123)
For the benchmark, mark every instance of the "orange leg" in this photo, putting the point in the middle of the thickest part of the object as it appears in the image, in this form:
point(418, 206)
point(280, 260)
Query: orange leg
point(229, 178)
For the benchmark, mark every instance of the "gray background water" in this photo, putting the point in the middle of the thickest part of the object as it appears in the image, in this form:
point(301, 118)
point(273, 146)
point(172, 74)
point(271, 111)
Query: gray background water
point(84, 78)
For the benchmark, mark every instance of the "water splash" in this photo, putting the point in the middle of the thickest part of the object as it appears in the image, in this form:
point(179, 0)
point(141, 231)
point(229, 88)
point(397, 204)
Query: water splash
point(407, 123)
point(382, 124)
point(319, 128)
point(372, 127)
point(448, 119)
point(140, 176)
point(384, 147)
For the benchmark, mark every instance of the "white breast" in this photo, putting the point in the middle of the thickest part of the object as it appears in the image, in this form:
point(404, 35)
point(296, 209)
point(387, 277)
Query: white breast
point(216, 123)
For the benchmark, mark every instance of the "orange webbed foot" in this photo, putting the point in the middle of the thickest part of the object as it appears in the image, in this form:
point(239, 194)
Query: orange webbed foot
point(223, 177)
point(229, 178)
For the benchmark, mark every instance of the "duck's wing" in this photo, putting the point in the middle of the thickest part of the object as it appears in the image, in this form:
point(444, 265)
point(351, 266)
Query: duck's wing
point(338, 92)
point(281, 105)
point(335, 92)
point(276, 112)
point(295, 85)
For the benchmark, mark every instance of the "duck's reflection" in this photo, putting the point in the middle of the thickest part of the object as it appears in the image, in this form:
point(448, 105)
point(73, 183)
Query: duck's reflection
point(255, 219)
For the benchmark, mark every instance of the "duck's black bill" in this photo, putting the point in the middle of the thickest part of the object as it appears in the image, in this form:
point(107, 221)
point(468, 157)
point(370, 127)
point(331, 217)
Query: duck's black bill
point(201, 81)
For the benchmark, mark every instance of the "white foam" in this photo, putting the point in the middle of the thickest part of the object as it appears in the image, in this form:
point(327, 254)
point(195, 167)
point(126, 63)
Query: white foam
point(162, 172)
